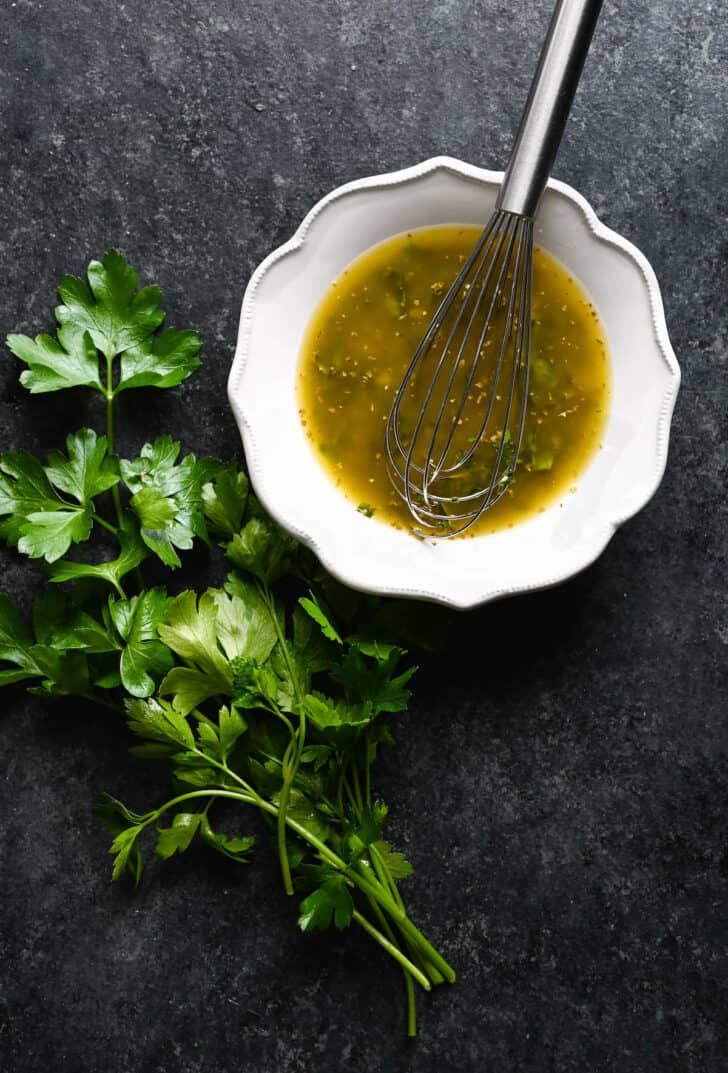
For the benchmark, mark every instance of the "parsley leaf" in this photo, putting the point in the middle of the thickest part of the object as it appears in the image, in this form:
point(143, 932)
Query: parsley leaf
point(191, 632)
point(311, 651)
point(368, 829)
point(132, 553)
point(157, 720)
point(330, 903)
point(167, 497)
point(373, 682)
point(224, 500)
point(313, 608)
point(395, 863)
point(237, 848)
point(109, 307)
point(262, 549)
point(38, 520)
point(106, 312)
point(61, 625)
point(126, 852)
point(143, 655)
point(245, 626)
point(126, 637)
point(88, 634)
point(208, 635)
point(164, 362)
point(217, 740)
point(15, 644)
point(69, 361)
point(306, 814)
point(66, 673)
point(51, 657)
point(232, 725)
point(317, 755)
point(87, 472)
point(338, 720)
point(126, 826)
point(48, 534)
point(257, 686)
point(177, 838)
point(189, 686)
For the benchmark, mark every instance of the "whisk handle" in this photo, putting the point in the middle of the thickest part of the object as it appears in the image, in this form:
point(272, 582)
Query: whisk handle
point(548, 105)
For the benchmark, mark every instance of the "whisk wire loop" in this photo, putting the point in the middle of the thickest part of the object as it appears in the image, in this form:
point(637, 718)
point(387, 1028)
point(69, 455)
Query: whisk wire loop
point(430, 465)
point(489, 261)
point(393, 424)
point(519, 368)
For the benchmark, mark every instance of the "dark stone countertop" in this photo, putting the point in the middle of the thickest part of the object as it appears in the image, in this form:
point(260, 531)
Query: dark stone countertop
point(564, 798)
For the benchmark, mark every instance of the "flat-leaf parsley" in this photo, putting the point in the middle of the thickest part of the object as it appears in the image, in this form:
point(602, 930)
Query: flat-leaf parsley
point(272, 691)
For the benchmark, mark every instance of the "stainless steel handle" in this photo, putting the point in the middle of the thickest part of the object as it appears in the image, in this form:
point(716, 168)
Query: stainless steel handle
point(548, 105)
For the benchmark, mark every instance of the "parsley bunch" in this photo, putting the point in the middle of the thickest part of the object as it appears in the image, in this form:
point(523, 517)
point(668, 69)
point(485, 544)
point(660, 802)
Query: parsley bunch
point(271, 691)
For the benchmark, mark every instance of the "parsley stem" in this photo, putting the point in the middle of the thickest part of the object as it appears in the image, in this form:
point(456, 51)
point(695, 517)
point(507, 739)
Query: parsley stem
point(387, 880)
point(117, 502)
point(411, 933)
point(411, 1007)
point(288, 767)
point(392, 949)
point(411, 1003)
point(367, 769)
point(357, 787)
point(381, 894)
point(352, 798)
point(109, 393)
point(272, 707)
point(340, 788)
point(105, 525)
point(297, 742)
point(385, 876)
point(438, 969)
point(434, 974)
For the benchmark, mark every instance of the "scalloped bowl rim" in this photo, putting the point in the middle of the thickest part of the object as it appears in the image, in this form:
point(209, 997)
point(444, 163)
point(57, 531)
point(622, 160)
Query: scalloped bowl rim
point(363, 576)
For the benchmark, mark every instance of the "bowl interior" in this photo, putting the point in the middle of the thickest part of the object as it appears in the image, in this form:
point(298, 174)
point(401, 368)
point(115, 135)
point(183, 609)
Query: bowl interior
point(365, 552)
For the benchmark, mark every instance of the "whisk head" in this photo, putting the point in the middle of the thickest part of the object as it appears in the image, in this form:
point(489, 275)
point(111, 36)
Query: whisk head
point(454, 432)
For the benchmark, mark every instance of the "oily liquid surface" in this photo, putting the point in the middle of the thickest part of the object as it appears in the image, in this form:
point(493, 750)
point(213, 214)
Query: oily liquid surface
point(362, 338)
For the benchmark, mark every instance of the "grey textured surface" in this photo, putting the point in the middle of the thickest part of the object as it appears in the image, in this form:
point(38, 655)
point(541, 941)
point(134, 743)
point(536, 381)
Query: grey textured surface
point(566, 805)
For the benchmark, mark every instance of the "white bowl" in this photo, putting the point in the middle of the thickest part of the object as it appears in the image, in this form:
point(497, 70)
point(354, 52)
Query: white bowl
point(366, 553)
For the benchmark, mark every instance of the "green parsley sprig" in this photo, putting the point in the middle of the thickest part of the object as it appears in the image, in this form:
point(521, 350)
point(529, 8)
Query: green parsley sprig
point(270, 692)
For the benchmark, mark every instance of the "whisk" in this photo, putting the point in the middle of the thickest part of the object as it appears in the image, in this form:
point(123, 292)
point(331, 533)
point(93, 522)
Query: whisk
point(447, 480)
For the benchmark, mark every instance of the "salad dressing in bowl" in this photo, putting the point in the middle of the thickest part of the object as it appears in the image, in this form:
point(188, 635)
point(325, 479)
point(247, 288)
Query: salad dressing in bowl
point(363, 335)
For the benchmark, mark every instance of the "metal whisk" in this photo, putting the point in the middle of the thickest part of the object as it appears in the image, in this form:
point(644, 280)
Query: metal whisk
point(446, 480)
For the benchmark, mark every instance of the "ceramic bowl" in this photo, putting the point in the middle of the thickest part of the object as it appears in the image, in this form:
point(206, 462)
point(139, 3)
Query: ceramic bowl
point(366, 553)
